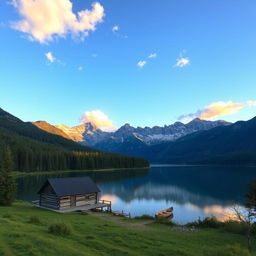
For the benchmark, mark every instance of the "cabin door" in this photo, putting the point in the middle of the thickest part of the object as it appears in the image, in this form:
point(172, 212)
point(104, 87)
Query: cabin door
point(73, 201)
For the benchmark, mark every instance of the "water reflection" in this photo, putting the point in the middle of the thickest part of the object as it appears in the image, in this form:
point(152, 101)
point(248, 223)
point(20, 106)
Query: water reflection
point(194, 191)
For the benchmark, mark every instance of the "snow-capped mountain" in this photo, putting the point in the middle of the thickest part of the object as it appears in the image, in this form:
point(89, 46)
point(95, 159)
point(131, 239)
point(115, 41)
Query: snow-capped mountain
point(128, 139)
point(90, 135)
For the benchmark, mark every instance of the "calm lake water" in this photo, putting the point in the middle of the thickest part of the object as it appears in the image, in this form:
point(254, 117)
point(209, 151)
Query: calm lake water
point(193, 191)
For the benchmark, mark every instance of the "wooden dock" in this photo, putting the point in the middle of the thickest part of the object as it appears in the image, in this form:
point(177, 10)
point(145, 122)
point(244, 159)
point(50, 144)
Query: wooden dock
point(121, 213)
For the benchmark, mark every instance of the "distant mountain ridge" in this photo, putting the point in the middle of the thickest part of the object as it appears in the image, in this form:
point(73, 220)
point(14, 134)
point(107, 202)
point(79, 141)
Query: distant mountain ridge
point(197, 142)
point(90, 135)
point(233, 145)
point(130, 140)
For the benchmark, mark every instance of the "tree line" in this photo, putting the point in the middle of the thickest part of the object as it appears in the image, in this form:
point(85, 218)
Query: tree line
point(30, 155)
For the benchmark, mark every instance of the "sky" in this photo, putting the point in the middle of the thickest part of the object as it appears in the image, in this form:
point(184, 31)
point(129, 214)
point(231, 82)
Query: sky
point(147, 62)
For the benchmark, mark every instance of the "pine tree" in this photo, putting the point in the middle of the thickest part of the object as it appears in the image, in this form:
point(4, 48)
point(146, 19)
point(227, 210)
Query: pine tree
point(7, 182)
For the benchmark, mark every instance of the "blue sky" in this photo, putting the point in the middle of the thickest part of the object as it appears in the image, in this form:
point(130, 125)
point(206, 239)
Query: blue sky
point(205, 60)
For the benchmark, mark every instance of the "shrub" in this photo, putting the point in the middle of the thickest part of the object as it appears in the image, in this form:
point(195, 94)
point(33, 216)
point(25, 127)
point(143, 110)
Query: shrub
point(228, 250)
point(144, 217)
point(235, 227)
point(208, 222)
point(60, 229)
point(7, 215)
point(34, 220)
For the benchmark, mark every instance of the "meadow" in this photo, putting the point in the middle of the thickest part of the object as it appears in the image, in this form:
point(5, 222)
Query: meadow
point(27, 230)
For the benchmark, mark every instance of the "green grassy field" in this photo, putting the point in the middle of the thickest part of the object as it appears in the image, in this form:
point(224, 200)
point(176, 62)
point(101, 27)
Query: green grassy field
point(92, 235)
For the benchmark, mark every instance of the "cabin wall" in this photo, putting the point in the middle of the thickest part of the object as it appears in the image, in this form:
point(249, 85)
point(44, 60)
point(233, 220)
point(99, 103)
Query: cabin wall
point(78, 200)
point(49, 201)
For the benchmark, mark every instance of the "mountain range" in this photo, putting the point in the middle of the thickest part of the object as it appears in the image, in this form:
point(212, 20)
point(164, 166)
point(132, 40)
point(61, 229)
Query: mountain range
point(197, 142)
point(176, 143)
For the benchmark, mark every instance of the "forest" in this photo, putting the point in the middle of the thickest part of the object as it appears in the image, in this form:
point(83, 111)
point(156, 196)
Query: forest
point(35, 150)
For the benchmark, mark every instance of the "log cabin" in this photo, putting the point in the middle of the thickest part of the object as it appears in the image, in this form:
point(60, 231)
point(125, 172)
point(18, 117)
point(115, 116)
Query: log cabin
point(68, 193)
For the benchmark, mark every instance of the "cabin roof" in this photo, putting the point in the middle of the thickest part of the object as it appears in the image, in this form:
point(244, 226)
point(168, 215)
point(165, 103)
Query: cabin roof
point(71, 186)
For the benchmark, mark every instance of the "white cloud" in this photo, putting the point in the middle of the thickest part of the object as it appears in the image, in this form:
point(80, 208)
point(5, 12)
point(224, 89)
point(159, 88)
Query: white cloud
point(141, 63)
point(218, 109)
point(182, 62)
point(50, 57)
point(152, 55)
point(98, 119)
point(115, 28)
point(80, 68)
point(44, 20)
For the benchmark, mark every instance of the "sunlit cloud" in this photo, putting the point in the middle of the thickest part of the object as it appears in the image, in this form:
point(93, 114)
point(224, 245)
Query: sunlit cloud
point(217, 109)
point(44, 20)
point(152, 55)
point(80, 68)
point(115, 28)
point(141, 63)
point(182, 62)
point(98, 119)
point(50, 57)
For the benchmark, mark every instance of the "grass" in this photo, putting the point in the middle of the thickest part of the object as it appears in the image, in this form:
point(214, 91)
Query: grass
point(20, 174)
point(92, 236)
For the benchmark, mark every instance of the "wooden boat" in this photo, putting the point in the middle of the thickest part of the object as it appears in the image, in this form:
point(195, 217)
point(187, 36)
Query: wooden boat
point(167, 213)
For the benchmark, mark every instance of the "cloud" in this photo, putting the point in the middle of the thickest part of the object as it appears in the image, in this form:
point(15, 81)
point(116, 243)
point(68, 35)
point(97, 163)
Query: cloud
point(152, 55)
point(99, 119)
point(44, 20)
point(80, 68)
point(115, 28)
point(141, 63)
point(217, 109)
point(182, 62)
point(50, 57)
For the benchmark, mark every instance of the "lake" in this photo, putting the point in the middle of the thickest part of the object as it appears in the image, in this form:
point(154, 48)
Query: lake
point(193, 191)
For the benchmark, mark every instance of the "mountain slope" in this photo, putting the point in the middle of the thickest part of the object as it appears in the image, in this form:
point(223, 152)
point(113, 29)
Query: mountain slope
point(51, 129)
point(36, 150)
point(139, 141)
point(233, 144)
point(89, 135)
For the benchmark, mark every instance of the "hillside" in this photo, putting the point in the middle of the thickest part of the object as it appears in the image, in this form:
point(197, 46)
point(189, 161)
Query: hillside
point(24, 231)
point(51, 129)
point(36, 150)
point(233, 144)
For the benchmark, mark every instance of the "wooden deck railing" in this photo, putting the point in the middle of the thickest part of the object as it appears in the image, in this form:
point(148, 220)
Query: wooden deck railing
point(105, 202)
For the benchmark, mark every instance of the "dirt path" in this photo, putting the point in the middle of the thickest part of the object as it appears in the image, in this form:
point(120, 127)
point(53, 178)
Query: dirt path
point(140, 225)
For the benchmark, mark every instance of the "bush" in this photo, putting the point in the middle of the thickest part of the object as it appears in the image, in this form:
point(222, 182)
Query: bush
point(59, 229)
point(34, 220)
point(208, 222)
point(235, 227)
point(228, 250)
point(7, 215)
point(144, 217)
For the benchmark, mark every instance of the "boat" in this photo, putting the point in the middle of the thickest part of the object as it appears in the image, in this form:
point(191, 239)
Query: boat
point(167, 213)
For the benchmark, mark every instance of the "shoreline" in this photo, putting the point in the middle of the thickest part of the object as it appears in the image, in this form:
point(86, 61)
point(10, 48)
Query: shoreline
point(21, 174)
